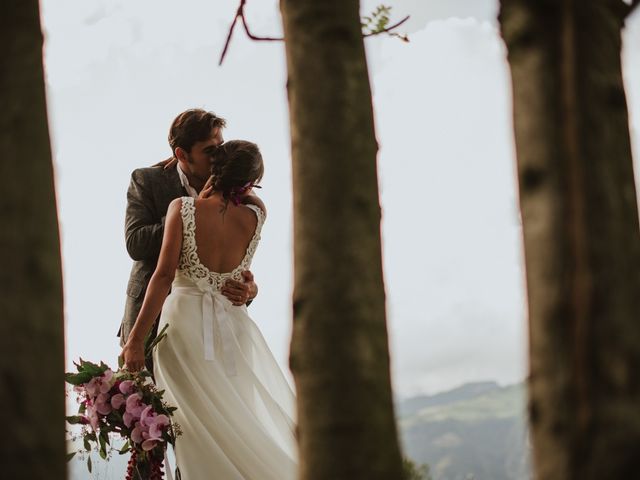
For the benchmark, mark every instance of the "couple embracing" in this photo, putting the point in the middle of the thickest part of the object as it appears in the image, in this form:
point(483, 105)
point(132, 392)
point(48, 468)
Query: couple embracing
point(192, 227)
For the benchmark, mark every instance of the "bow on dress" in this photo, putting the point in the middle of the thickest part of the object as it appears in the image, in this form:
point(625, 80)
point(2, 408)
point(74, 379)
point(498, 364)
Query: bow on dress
point(215, 317)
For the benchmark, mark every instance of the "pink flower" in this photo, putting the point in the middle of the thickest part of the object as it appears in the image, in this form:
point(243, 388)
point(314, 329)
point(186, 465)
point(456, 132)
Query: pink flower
point(103, 404)
point(153, 423)
point(137, 434)
point(158, 424)
point(148, 430)
point(148, 444)
point(127, 387)
point(101, 384)
point(92, 416)
point(93, 387)
point(117, 401)
point(146, 413)
point(106, 381)
point(134, 408)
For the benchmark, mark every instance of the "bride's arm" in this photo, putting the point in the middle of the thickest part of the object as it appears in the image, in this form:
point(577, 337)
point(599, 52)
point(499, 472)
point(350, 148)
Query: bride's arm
point(133, 351)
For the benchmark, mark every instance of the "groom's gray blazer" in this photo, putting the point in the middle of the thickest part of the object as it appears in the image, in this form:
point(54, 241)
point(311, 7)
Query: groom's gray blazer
point(150, 192)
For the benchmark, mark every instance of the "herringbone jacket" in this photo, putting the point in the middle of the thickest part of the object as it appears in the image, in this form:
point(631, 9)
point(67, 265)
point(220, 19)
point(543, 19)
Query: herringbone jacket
point(150, 192)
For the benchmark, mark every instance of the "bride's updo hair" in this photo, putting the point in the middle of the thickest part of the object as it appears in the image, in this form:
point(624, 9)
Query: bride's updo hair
point(236, 165)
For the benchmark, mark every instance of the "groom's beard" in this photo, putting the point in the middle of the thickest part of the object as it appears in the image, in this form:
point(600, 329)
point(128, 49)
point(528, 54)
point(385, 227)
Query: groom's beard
point(196, 181)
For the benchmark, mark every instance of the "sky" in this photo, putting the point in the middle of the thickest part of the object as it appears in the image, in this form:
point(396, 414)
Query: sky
point(119, 71)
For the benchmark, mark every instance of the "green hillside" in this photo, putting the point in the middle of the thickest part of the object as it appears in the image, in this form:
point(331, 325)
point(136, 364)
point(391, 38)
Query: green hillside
point(474, 432)
point(477, 431)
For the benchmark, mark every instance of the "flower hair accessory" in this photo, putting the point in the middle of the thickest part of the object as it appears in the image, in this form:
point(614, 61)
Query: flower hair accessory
point(236, 193)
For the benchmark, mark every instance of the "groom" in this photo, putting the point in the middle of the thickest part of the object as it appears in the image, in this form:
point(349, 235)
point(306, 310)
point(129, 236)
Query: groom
point(193, 136)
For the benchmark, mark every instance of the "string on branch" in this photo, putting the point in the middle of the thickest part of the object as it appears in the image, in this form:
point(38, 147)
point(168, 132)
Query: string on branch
point(375, 24)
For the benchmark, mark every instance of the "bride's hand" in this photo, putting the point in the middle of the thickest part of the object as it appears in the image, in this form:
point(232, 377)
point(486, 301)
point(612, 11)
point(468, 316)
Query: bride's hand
point(133, 355)
point(206, 190)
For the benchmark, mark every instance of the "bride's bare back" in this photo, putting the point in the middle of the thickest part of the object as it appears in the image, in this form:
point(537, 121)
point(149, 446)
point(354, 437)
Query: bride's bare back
point(222, 239)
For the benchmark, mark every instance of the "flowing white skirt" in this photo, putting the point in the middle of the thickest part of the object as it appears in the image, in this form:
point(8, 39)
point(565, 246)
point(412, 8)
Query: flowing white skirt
point(235, 409)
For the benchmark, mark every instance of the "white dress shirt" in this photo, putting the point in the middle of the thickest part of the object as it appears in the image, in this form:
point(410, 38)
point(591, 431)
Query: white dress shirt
point(185, 183)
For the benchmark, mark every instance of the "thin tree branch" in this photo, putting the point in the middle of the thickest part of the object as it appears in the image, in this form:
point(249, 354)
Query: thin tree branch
point(243, 19)
point(259, 39)
point(389, 28)
point(233, 25)
point(240, 15)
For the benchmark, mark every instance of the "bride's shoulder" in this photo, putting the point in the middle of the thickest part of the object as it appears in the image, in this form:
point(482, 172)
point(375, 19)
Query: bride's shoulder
point(253, 201)
point(176, 204)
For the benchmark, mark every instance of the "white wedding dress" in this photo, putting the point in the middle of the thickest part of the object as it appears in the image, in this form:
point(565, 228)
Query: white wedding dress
point(235, 407)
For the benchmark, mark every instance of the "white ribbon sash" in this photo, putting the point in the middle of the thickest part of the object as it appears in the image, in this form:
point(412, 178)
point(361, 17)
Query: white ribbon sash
point(215, 318)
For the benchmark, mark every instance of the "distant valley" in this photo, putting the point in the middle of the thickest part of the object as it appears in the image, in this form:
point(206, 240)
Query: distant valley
point(475, 432)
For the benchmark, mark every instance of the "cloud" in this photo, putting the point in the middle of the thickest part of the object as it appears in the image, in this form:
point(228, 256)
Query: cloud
point(451, 228)
point(118, 74)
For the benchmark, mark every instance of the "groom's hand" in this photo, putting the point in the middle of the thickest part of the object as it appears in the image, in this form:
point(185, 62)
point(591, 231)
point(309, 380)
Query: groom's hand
point(239, 293)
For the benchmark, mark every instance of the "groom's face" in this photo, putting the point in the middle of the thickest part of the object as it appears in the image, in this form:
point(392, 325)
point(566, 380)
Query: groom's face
point(199, 158)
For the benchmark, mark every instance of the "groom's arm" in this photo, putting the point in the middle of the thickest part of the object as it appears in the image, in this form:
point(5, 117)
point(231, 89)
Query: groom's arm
point(143, 232)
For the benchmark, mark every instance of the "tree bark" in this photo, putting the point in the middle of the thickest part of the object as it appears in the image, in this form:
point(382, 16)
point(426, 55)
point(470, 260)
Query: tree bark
point(581, 235)
point(339, 350)
point(32, 406)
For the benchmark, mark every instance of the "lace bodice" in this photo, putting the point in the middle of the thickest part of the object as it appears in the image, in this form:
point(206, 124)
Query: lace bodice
point(190, 265)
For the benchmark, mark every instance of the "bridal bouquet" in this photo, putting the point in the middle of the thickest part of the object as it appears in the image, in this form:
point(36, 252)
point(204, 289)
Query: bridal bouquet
point(126, 404)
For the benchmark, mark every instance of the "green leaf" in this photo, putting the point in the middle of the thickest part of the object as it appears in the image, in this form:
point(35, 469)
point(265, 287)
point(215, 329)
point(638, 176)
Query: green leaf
point(71, 455)
point(105, 437)
point(77, 378)
point(125, 448)
point(148, 349)
point(117, 416)
point(83, 408)
point(87, 445)
point(120, 361)
point(75, 419)
point(103, 445)
point(89, 463)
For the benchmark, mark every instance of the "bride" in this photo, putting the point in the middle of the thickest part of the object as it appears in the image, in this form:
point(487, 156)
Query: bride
point(235, 407)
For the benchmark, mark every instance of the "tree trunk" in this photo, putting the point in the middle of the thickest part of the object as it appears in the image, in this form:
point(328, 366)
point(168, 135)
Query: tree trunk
point(32, 406)
point(581, 235)
point(339, 350)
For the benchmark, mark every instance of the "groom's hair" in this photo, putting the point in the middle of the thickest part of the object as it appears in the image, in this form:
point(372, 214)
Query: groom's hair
point(193, 126)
